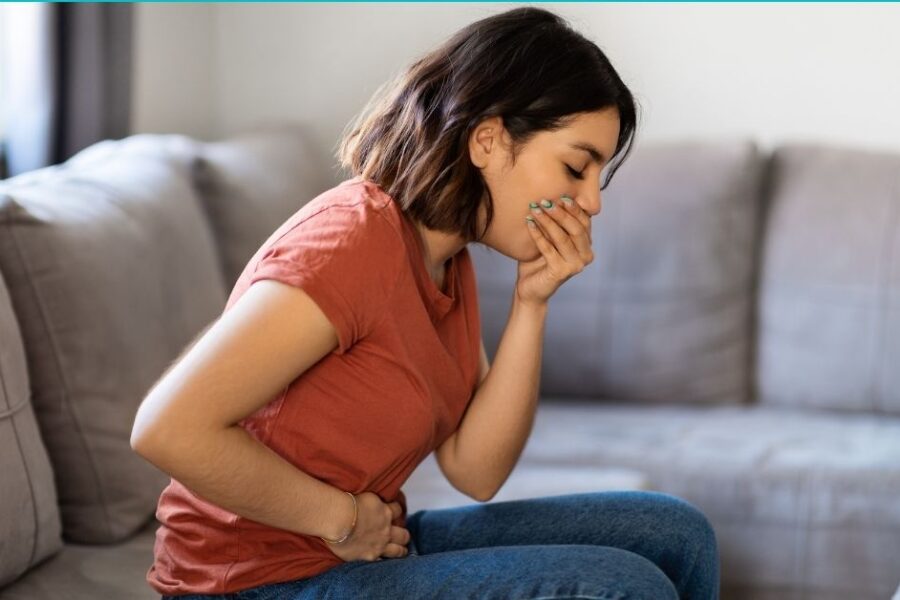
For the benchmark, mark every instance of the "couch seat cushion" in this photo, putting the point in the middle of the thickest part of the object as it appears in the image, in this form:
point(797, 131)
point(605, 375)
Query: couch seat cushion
point(89, 572)
point(800, 500)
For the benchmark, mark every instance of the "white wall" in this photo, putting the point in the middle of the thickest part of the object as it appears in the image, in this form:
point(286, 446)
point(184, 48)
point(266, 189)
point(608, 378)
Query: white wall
point(174, 81)
point(773, 72)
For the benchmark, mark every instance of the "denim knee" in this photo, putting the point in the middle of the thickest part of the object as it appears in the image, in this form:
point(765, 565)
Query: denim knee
point(693, 528)
point(697, 526)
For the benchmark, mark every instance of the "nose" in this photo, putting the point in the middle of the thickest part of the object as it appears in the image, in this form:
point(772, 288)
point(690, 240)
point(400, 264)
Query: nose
point(590, 201)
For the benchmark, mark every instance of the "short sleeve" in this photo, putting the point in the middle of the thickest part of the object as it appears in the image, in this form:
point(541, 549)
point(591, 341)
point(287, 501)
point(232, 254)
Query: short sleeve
point(345, 257)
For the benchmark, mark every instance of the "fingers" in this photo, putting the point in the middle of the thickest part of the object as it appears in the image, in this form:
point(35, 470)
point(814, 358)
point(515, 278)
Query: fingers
point(400, 535)
point(577, 212)
point(548, 250)
point(568, 227)
point(397, 546)
point(574, 220)
point(396, 510)
point(553, 231)
point(393, 550)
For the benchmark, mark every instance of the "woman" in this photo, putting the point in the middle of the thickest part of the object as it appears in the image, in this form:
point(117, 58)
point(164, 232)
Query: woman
point(350, 349)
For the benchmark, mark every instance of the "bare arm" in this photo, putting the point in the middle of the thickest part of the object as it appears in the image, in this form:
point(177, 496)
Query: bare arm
point(187, 424)
point(480, 455)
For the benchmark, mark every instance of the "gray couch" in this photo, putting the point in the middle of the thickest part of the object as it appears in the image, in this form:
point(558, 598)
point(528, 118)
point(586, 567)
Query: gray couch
point(736, 342)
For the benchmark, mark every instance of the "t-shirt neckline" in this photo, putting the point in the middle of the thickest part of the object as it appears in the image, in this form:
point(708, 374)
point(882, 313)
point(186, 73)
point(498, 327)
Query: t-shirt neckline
point(439, 303)
point(437, 295)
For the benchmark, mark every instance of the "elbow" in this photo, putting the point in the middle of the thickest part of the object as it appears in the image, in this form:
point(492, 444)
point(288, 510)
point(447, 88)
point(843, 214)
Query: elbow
point(140, 440)
point(161, 453)
point(476, 490)
point(153, 430)
point(150, 435)
point(138, 444)
point(142, 444)
point(469, 489)
point(484, 496)
point(139, 437)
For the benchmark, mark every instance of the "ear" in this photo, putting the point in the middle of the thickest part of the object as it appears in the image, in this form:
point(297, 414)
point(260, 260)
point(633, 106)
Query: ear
point(484, 141)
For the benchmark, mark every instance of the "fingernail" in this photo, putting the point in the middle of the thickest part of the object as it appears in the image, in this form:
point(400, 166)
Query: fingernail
point(567, 199)
point(530, 220)
point(534, 208)
point(547, 203)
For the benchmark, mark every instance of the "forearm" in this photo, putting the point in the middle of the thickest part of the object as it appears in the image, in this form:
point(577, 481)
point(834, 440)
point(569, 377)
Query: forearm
point(500, 416)
point(235, 471)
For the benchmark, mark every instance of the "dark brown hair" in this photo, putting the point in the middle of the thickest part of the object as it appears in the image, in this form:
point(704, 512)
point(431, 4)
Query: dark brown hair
point(526, 65)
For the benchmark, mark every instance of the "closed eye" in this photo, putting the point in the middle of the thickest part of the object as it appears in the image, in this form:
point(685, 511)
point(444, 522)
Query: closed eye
point(574, 173)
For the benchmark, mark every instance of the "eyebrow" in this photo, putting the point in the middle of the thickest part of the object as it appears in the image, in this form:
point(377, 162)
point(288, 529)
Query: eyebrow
point(596, 155)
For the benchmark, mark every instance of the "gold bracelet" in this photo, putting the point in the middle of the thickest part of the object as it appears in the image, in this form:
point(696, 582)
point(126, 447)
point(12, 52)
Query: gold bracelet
point(352, 527)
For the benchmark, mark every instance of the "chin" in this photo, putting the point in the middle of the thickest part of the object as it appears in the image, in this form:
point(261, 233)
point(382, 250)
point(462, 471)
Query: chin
point(526, 251)
point(532, 252)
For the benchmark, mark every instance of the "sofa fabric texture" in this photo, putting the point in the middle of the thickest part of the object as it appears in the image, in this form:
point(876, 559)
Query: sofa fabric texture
point(665, 316)
point(30, 525)
point(829, 300)
point(252, 183)
point(111, 269)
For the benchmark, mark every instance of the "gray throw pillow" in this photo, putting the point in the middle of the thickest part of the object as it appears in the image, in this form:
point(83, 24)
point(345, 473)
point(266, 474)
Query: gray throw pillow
point(29, 517)
point(663, 313)
point(112, 271)
point(829, 301)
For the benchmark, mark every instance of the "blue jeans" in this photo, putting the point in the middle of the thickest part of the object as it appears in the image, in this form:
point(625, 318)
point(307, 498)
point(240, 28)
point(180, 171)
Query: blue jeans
point(635, 545)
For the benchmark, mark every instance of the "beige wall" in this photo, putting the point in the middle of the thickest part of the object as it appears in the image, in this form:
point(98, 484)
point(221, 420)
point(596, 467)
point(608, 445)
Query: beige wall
point(174, 78)
point(774, 72)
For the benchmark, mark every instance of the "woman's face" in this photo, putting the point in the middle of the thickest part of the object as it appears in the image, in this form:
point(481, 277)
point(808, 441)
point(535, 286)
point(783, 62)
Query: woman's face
point(551, 164)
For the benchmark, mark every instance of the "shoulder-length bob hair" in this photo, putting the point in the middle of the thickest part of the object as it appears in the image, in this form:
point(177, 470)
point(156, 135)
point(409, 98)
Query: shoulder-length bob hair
point(526, 65)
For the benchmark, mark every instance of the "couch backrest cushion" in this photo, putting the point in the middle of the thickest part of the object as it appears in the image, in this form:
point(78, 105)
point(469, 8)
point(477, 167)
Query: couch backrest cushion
point(251, 183)
point(112, 271)
point(663, 313)
point(29, 517)
point(829, 302)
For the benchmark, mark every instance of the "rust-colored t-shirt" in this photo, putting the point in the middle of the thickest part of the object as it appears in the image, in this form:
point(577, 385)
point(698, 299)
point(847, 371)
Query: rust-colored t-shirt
point(363, 417)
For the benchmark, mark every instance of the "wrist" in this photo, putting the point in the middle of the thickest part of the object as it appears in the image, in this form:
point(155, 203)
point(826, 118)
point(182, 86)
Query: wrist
point(536, 308)
point(344, 520)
